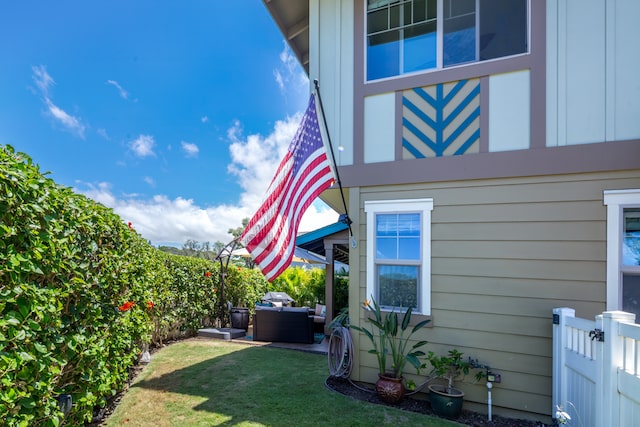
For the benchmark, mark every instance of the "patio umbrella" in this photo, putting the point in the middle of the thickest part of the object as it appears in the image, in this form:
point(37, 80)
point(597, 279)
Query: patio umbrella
point(299, 255)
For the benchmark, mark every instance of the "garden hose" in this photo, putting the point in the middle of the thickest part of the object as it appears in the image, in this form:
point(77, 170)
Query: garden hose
point(340, 352)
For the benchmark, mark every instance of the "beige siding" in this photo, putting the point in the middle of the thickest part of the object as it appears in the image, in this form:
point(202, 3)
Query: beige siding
point(505, 252)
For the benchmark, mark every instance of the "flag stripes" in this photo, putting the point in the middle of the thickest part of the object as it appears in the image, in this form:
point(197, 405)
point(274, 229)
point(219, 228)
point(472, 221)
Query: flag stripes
point(302, 175)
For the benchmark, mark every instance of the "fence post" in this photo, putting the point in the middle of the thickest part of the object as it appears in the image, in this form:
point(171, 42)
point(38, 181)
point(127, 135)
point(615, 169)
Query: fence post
point(559, 379)
point(612, 354)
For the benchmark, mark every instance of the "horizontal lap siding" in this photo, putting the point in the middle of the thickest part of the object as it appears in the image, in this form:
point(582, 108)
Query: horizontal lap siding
point(504, 254)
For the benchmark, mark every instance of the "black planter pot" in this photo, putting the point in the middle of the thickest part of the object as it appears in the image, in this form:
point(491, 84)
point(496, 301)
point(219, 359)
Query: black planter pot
point(446, 402)
point(240, 318)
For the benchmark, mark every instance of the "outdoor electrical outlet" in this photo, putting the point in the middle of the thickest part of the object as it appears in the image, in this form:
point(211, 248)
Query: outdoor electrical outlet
point(493, 378)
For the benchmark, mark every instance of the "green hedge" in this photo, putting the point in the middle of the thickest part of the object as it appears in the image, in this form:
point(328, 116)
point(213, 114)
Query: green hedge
point(80, 293)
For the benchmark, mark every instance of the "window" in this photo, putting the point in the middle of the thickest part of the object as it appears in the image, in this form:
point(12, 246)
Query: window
point(623, 251)
point(631, 261)
point(399, 253)
point(405, 36)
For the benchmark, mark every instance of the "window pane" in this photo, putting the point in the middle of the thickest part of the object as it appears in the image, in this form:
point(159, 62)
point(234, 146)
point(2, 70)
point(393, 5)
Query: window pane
point(409, 248)
point(458, 7)
point(631, 295)
point(398, 286)
point(503, 28)
point(631, 237)
point(420, 47)
point(374, 4)
point(387, 225)
point(432, 9)
point(394, 17)
point(386, 248)
point(383, 55)
point(398, 236)
point(377, 21)
point(409, 224)
point(459, 39)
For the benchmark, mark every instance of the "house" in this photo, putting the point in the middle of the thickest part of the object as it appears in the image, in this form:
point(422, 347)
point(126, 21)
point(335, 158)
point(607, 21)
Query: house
point(490, 156)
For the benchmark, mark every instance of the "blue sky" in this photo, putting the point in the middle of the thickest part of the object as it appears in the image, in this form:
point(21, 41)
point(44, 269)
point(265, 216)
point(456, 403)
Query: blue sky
point(173, 113)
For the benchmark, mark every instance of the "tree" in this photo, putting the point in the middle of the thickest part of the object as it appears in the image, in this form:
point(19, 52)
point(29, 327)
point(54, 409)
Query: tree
point(237, 232)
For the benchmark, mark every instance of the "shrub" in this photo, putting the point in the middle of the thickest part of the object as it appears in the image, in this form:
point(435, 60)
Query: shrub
point(80, 292)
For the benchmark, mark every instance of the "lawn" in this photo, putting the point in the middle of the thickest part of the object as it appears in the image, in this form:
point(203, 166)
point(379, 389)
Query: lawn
point(200, 382)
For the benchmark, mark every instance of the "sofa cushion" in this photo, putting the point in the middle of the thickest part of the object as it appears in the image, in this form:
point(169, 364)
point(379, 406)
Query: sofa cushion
point(321, 310)
point(296, 309)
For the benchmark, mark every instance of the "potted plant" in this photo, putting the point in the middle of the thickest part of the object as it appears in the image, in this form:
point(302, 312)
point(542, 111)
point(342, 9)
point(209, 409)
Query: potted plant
point(392, 340)
point(446, 401)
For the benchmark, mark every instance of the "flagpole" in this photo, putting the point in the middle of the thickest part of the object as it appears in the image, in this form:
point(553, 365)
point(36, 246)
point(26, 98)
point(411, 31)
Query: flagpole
point(346, 219)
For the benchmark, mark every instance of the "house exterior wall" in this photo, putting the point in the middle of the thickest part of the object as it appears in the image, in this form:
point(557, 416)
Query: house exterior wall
point(603, 103)
point(567, 107)
point(505, 252)
point(518, 225)
point(331, 54)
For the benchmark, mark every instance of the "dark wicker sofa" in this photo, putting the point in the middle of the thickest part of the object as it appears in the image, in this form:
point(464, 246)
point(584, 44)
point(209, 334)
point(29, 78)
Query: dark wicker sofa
point(283, 324)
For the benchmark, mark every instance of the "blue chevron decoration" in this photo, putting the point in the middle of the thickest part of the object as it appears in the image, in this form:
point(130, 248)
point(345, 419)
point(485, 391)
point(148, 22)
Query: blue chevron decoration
point(441, 120)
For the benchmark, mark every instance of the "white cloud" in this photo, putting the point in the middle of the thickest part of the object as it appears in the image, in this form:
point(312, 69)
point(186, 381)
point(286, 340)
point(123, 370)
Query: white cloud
point(149, 181)
point(43, 82)
point(204, 119)
point(291, 77)
point(143, 146)
point(190, 150)
point(71, 123)
point(254, 159)
point(123, 93)
point(42, 79)
point(174, 221)
point(103, 133)
point(279, 79)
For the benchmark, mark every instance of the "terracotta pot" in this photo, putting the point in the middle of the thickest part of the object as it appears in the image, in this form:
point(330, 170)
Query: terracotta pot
point(389, 389)
point(446, 402)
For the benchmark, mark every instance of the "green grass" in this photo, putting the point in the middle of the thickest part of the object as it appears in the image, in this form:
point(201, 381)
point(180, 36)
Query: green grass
point(217, 383)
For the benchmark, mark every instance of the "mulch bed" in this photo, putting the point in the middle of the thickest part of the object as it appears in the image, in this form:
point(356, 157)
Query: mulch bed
point(347, 388)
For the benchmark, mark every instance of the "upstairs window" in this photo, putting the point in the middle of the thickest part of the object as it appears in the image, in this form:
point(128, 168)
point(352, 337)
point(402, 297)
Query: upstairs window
point(405, 36)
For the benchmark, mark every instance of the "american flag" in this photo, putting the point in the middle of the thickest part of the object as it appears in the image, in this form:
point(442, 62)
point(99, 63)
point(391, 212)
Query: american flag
point(302, 175)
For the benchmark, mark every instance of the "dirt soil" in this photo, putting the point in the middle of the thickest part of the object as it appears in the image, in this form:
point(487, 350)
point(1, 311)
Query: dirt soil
point(347, 388)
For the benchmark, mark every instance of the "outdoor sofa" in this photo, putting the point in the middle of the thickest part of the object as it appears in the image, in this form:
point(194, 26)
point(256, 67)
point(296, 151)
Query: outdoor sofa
point(283, 324)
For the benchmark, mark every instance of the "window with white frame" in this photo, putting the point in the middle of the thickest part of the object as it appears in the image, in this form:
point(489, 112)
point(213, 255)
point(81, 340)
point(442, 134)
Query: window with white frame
point(405, 36)
point(623, 250)
point(399, 253)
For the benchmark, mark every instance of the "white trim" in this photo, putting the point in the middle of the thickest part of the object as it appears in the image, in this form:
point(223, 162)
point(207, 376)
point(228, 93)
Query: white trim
point(616, 201)
point(424, 206)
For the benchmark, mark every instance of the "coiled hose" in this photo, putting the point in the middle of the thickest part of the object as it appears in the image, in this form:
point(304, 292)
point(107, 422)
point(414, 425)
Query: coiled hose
point(340, 358)
point(340, 352)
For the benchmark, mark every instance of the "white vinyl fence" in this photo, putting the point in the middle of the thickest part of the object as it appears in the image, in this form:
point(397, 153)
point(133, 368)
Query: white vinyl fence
point(596, 368)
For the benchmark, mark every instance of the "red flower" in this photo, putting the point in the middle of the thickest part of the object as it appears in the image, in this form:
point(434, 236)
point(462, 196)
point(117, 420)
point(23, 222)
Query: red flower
point(207, 274)
point(126, 306)
point(130, 224)
point(150, 305)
